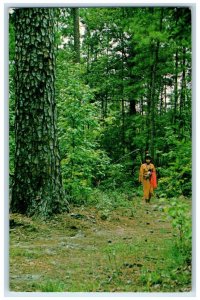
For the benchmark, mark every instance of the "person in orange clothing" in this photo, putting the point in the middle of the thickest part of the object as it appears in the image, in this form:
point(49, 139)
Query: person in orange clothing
point(147, 176)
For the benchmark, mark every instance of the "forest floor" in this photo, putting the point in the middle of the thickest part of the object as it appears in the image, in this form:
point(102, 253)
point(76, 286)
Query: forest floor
point(128, 249)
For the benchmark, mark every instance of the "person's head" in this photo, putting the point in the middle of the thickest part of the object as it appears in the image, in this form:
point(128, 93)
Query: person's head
point(148, 159)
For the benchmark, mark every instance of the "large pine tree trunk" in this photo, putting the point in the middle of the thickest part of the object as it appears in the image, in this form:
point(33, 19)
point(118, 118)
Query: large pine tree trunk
point(37, 187)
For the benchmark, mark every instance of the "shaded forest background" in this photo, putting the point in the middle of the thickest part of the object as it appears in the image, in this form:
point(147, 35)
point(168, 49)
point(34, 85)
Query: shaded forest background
point(123, 86)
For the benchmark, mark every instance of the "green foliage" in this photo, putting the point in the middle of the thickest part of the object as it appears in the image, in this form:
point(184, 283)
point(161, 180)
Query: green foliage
point(180, 213)
point(83, 163)
point(149, 278)
point(175, 175)
point(108, 200)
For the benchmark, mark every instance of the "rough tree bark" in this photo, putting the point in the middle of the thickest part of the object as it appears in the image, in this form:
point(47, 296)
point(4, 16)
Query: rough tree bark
point(37, 187)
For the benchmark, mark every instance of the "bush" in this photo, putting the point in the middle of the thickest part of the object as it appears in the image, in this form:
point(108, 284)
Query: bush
point(175, 178)
point(180, 214)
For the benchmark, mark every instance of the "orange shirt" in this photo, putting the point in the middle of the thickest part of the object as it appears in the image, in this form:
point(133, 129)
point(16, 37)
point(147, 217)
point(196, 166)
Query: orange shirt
point(145, 170)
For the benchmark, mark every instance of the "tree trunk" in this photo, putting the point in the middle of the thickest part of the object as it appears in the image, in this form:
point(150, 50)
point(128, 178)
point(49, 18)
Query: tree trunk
point(161, 97)
point(76, 34)
point(182, 94)
point(37, 187)
point(183, 83)
point(176, 88)
point(153, 104)
point(122, 95)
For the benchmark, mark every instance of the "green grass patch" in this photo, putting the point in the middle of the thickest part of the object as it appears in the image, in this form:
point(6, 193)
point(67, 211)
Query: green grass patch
point(50, 286)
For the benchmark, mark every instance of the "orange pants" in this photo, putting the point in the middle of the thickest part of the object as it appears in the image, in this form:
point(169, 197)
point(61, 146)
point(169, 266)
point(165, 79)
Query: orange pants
point(147, 189)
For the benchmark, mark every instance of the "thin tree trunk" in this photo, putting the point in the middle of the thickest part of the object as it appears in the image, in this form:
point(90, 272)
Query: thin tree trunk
point(176, 77)
point(77, 54)
point(183, 83)
point(176, 88)
point(152, 110)
point(182, 95)
point(165, 96)
point(122, 93)
point(161, 97)
point(153, 104)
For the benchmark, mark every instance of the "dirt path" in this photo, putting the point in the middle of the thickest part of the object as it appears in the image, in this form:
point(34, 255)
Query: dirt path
point(90, 251)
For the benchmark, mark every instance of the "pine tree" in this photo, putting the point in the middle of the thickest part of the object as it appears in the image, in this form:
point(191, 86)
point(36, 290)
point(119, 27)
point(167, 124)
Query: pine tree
point(37, 187)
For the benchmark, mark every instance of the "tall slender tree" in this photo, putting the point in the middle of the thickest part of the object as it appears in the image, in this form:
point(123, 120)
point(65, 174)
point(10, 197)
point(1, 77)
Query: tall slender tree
point(37, 187)
point(75, 11)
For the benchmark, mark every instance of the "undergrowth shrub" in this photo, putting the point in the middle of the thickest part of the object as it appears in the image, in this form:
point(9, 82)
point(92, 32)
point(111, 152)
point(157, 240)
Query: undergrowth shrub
point(175, 177)
point(179, 211)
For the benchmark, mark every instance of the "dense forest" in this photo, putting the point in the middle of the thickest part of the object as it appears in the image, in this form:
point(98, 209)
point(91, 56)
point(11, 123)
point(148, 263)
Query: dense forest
point(90, 91)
